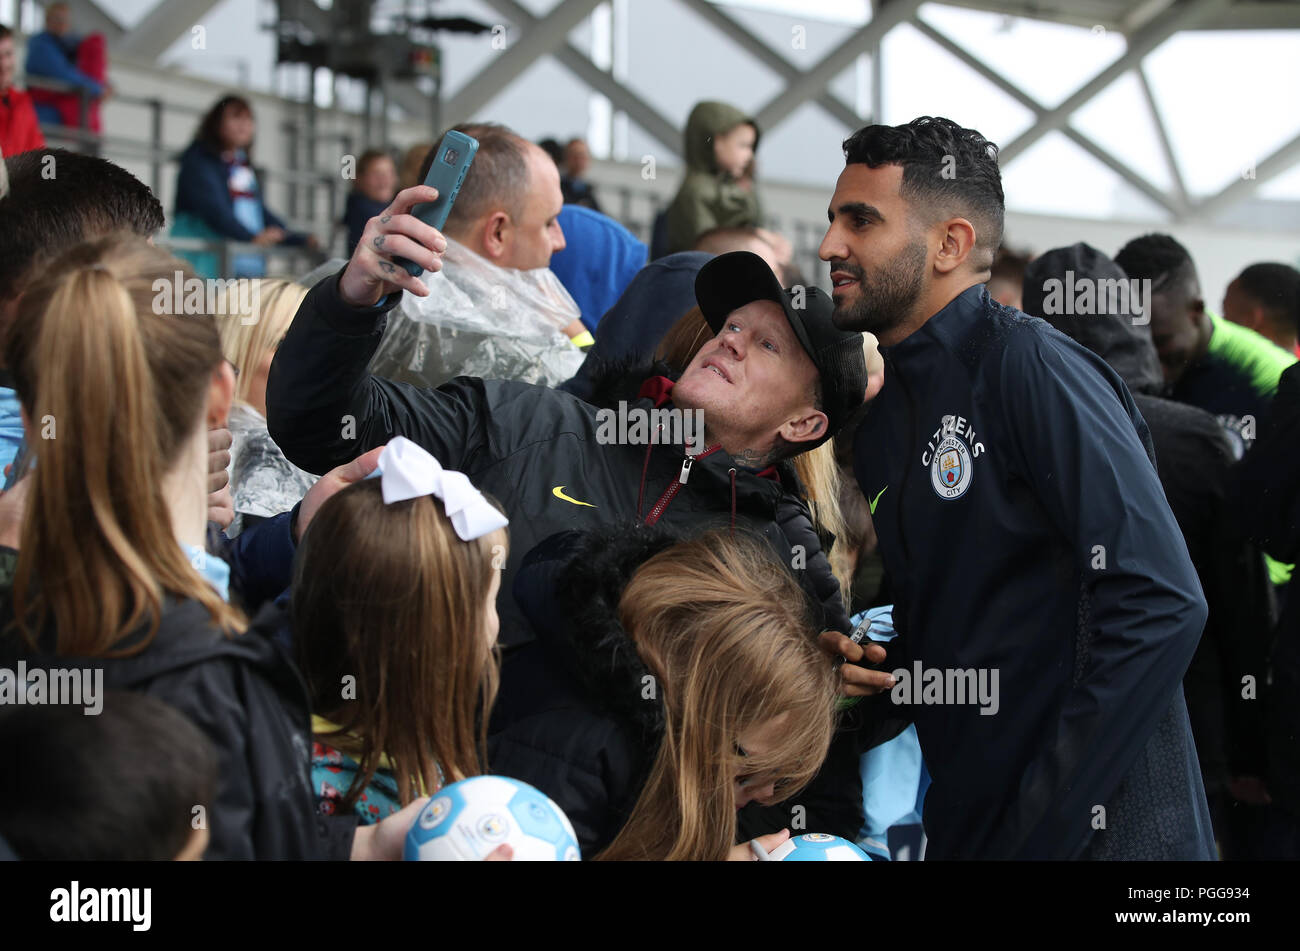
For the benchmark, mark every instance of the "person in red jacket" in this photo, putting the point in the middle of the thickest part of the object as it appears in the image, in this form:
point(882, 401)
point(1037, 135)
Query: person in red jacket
point(19, 130)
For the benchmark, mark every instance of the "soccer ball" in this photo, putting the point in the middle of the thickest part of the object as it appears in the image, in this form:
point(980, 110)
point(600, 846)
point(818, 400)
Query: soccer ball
point(818, 847)
point(467, 820)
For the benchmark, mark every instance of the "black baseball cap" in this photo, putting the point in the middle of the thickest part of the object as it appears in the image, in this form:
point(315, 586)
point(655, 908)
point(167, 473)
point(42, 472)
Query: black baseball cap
point(732, 280)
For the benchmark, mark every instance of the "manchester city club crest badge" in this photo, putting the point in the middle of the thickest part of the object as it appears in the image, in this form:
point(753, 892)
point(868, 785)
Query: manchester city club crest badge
point(950, 468)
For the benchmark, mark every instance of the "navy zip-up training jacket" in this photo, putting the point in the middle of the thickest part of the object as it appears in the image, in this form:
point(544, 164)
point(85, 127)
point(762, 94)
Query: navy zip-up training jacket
point(1026, 533)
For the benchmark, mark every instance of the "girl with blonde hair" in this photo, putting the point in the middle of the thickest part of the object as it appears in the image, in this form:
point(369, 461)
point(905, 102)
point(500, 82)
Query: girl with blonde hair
point(689, 683)
point(255, 318)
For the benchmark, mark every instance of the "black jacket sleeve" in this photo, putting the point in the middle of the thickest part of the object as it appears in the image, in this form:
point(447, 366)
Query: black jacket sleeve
point(260, 559)
point(582, 760)
point(208, 694)
point(324, 409)
point(1083, 449)
point(811, 565)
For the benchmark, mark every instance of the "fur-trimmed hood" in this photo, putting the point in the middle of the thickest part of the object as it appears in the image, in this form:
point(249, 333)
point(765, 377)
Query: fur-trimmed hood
point(569, 587)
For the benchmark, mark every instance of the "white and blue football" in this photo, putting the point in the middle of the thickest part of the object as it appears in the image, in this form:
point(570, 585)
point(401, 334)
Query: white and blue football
point(818, 847)
point(465, 821)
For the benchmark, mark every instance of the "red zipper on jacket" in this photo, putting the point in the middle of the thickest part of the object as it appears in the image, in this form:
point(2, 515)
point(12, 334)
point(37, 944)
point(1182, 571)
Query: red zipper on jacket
point(675, 486)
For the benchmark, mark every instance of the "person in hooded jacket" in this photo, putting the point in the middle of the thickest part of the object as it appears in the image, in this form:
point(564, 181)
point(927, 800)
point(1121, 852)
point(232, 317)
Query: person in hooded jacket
point(1194, 460)
point(1024, 528)
point(648, 753)
point(720, 142)
point(775, 380)
point(114, 521)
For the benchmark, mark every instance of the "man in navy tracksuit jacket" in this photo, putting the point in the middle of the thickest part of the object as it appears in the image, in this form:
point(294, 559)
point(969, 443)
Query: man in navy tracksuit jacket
point(1023, 527)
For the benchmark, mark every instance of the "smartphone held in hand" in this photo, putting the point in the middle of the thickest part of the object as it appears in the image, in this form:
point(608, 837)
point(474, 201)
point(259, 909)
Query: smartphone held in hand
point(451, 162)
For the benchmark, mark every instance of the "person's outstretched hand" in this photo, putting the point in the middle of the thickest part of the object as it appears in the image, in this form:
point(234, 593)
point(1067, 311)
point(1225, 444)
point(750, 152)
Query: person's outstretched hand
point(371, 274)
point(331, 482)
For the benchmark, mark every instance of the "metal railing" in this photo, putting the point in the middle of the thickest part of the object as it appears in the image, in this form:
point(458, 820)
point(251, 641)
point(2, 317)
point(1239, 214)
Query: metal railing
point(304, 185)
point(636, 208)
point(639, 207)
point(281, 260)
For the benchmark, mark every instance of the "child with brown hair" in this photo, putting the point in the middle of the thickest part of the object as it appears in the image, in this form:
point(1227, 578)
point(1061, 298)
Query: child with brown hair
point(395, 626)
point(113, 575)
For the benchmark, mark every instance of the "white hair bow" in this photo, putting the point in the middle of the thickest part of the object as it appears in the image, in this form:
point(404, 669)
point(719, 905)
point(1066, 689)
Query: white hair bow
point(409, 471)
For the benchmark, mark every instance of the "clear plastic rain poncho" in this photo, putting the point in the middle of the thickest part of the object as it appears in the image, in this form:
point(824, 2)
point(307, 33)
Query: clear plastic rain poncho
point(480, 320)
point(263, 483)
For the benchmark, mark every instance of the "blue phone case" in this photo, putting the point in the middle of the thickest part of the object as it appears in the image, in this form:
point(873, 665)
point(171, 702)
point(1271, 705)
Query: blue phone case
point(450, 164)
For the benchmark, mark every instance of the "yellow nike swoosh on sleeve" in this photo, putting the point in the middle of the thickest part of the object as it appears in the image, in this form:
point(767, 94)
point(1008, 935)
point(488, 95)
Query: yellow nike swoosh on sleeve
point(877, 499)
point(558, 492)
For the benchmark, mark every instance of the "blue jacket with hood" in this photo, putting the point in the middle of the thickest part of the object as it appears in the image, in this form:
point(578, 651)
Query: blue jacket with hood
point(1026, 533)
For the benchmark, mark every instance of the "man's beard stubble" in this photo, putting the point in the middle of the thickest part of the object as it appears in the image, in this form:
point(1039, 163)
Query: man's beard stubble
point(887, 301)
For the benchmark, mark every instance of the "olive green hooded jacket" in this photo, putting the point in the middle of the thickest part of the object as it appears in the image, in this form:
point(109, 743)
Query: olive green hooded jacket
point(709, 197)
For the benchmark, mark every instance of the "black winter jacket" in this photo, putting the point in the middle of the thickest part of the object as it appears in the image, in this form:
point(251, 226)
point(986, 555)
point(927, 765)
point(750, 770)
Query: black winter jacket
point(535, 449)
point(590, 743)
point(246, 696)
point(1022, 522)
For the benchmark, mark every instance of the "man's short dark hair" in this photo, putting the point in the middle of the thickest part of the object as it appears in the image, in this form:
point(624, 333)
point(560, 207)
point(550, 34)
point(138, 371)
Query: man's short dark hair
point(497, 179)
point(59, 199)
point(5, 32)
point(1276, 288)
point(947, 170)
point(121, 784)
point(1154, 258)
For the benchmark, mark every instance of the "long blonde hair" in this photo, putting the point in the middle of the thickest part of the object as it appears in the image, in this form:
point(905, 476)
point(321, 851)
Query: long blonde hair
point(253, 324)
point(727, 633)
point(122, 390)
point(390, 597)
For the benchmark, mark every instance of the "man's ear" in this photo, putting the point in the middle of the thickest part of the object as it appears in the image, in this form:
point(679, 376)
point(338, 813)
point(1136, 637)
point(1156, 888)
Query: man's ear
point(496, 236)
point(956, 241)
point(221, 395)
point(804, 428)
